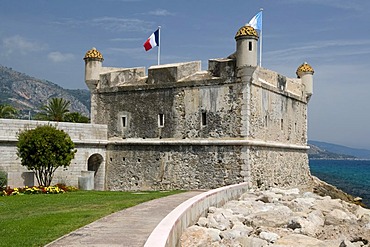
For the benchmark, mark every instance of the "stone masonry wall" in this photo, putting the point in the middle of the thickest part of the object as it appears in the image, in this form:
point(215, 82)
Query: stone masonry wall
point(271, 167)
point(276, 113)
point(89, 139)
point(182, 108)
point(153, 167)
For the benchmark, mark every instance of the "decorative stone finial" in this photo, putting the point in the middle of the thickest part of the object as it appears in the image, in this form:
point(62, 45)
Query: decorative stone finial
point(246, 30)
point(304, 68)
point(93, 54)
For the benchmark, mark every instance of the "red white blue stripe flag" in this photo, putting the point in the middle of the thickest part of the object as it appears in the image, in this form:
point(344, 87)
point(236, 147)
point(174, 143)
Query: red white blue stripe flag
point(152, 41)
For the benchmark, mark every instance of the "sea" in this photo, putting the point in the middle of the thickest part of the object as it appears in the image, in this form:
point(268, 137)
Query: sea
point(351, 176)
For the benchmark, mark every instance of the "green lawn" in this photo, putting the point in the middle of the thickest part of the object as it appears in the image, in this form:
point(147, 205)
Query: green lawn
point(35, 220)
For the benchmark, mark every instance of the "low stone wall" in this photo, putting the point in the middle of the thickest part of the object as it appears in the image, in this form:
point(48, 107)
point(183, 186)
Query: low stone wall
point(89, 139)
point(169, 230)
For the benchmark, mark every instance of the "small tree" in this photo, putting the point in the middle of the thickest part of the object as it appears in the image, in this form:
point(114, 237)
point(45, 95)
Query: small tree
point(55, 110)
point(75, 117)
point(43, 150)
point(7, 111)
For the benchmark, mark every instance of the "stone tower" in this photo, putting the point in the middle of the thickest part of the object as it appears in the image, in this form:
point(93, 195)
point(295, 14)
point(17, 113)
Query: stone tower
point(246, 47)
point(305, 72)
point(93, 67)
point(93, 64)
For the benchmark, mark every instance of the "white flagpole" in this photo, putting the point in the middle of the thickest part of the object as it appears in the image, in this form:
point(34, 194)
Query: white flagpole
point(261, 37)
point(159, 46)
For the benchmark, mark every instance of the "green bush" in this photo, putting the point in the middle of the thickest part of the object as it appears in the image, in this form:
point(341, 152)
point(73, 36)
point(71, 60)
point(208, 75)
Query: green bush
point(43, 150)
point(3, 179)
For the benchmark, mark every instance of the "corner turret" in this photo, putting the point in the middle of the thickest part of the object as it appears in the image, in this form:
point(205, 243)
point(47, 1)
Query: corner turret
point(246, 47)
point(305, 73)
point(93, 64)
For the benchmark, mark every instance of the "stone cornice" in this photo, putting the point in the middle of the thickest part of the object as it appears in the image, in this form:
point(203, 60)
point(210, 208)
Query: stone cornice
point(206, 142)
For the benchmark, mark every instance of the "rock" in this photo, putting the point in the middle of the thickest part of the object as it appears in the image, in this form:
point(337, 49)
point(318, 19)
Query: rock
point(357, 199)
point(317, 218)
point(269, 236)
point(299, 240)
point(360, 211)
point(294, 191)
point(214, 234)
point(243, 229)
point(195, 236)
point(230, 234)
point(252, 242)
point(337, 217)
point(203, 221)
point(280, 217)
point(326, 205)
point(269, 197)
point(274, 216)
point(346, 243)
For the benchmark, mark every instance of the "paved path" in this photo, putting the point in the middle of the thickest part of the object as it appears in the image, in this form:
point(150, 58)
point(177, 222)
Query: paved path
point(130, 227)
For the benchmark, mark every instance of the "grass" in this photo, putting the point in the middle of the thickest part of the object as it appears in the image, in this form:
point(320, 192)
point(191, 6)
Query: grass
point(35, 220)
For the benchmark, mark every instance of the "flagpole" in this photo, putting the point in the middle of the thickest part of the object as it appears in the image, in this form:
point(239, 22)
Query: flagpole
point(159, 45)
point(261, 37)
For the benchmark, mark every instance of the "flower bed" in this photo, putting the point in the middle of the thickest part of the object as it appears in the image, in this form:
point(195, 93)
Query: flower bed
point(56, 189)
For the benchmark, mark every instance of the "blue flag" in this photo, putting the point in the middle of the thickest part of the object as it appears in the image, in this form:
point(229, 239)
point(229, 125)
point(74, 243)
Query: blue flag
point(256, 21)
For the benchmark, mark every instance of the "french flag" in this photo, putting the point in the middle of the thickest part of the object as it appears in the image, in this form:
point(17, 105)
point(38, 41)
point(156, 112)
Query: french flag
point(152, 41)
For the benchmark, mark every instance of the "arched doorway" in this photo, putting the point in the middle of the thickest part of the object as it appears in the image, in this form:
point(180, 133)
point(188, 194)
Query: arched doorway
point(94, 163)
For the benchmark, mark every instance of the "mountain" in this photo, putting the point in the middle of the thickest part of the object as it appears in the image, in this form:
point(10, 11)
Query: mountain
point(325, 150)
point(28, 94)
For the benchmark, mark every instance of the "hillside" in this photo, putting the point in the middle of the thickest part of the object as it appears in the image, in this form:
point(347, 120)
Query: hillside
point(28, 94)
point(324, 150)
point(339, 149)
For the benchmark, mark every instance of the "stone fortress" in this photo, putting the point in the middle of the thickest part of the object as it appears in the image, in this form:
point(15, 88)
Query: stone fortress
point(183, 128)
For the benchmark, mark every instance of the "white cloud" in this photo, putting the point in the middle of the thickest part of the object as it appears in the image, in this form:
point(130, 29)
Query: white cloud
point(125, 40)
point(160, 12)
point(356, 5)
point(18, 44)
point(57, 56)
point(115, 24)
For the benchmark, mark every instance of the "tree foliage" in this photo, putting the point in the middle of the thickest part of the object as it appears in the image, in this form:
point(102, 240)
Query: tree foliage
point(43, 150)
point(55, 110)
point(76, 117)
point(7, 111)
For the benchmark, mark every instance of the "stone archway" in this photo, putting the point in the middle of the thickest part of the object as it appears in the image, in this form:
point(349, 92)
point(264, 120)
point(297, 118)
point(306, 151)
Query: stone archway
point(95, 164)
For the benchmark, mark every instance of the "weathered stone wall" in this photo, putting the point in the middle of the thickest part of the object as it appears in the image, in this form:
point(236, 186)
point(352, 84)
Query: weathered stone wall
point(277, 114)
point(89, 139)
point(271, 167)
point(162, 167)
point(182, 108)
point(150, 165)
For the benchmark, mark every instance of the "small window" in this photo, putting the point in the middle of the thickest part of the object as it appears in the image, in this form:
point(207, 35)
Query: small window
point(282, 124)
point(204, 118)
point(266, 121)
point(250, 45)
point(160, 120)
point(124, 121)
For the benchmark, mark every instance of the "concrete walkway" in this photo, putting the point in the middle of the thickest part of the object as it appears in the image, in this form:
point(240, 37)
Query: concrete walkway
point(130, 227)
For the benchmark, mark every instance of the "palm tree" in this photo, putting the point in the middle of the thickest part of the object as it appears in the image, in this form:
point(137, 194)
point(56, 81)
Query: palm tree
point(7, 111)
point(55, 110)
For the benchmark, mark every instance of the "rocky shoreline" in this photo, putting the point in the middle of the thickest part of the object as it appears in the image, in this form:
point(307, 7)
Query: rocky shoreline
point(284, 217)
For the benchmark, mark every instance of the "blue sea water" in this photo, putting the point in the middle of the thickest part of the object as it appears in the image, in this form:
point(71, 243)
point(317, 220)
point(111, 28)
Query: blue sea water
point(351, 176)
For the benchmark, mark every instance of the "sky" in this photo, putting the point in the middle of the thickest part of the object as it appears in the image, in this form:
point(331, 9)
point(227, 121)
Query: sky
point(48, 40)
